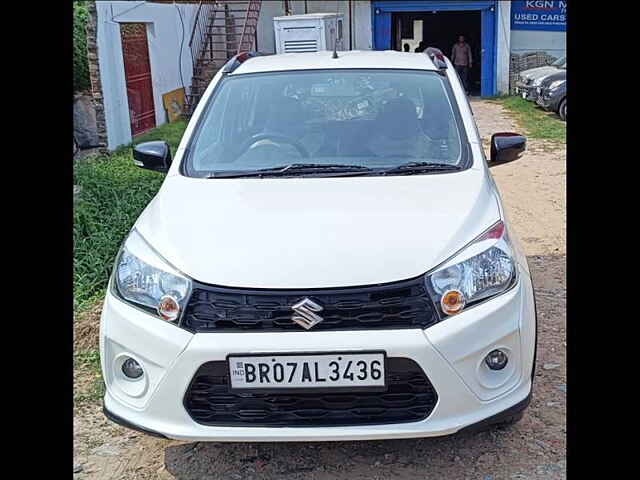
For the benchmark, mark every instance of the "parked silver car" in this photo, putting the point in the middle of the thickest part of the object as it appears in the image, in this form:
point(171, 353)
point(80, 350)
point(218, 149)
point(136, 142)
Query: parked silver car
point(531, 79)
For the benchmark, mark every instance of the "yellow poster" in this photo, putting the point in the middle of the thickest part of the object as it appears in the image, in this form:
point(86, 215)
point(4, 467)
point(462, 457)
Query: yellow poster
point(173, 102)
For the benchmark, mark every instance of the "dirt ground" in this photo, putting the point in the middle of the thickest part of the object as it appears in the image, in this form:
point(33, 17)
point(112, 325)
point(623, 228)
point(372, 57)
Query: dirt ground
point(533, 191)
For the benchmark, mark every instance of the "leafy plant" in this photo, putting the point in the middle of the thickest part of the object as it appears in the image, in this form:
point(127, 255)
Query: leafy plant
point(80, 63)
point(113, 194)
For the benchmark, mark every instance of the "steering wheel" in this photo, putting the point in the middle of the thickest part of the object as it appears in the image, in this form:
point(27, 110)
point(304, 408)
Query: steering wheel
point(278, 138)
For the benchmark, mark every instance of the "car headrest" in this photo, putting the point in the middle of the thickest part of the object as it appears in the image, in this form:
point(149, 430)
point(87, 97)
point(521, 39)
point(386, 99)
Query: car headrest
point(398, 119)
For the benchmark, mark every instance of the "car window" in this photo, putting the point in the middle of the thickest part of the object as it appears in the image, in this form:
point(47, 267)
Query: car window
point(559, 62)
point(372, 118)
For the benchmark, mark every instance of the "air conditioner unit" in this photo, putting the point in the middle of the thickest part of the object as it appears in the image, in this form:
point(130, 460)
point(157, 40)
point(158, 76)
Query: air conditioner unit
point(308, 33)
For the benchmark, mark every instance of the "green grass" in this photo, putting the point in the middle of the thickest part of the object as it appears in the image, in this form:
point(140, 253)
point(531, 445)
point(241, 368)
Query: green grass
point(113, 194)
point(537, 122)
point(93, 390)
point(88, 359)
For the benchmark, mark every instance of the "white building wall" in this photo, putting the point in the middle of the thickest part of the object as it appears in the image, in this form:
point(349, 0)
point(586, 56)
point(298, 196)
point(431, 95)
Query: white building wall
point(525, 41)
point(268, 10)
point(164, 36)
point(362, 28)
point(361, 20)
point(503, 46)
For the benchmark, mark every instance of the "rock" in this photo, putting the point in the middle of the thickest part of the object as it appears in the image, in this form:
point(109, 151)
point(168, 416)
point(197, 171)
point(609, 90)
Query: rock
point(106, 450)
point(85, 130)
point(550, 366)
point(486, 459)
point(77, 468)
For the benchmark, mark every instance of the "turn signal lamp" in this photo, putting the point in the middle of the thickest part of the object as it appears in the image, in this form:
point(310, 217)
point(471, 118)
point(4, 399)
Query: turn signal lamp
point(452, 302)
point(169, 308)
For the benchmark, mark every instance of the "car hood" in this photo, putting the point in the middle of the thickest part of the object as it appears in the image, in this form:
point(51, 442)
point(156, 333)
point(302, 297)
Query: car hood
point(561, 75)
point(538, 72)
point(316, 232)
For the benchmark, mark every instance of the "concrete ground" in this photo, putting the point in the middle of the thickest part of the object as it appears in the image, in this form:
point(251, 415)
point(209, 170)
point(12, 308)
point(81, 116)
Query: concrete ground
point(533, 191)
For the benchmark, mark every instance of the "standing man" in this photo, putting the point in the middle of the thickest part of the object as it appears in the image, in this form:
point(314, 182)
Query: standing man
point(461, 59)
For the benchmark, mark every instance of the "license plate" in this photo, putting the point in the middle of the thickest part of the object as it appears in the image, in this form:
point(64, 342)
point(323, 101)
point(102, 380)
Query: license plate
point(344, 371)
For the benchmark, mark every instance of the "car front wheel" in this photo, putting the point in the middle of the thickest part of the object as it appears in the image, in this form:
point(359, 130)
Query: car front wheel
point(562, 111)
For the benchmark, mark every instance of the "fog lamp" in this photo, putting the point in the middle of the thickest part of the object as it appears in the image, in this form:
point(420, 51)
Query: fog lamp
point(496, 360)
point(131, 368)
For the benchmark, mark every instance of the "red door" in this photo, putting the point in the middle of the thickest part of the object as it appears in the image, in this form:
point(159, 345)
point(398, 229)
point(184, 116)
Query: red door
point(137, 72)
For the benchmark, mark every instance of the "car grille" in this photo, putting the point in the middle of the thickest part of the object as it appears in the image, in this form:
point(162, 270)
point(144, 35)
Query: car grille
point(403, 304)
point(409, 397)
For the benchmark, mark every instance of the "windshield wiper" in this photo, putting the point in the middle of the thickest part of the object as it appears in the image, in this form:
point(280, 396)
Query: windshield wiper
point(293, 168)
point(417, 167)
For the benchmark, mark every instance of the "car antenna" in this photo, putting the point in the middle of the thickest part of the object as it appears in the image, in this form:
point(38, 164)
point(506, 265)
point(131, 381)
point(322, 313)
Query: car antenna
point(335, 35)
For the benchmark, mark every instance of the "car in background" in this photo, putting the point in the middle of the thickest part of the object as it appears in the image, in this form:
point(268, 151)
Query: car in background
point(531, 79)
point(552, 94)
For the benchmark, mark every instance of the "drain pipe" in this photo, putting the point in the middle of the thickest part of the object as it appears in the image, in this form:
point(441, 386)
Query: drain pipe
point(350, 27)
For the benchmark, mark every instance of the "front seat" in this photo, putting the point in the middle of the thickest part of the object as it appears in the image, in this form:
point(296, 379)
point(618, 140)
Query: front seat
point(287, 117)
point(398, 131)
point(398, 119)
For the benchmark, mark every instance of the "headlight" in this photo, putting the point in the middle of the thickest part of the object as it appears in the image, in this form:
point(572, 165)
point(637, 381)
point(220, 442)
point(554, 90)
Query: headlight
point(538, 81)
point(142, 277)
point(483, 269)
point(556, 84)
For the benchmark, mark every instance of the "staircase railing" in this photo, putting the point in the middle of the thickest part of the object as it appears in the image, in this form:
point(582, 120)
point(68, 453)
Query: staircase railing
point(214, 39)
point(250, 26)
point(197, 41)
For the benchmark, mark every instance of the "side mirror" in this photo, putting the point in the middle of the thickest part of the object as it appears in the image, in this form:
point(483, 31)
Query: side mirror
point(154, 155)
point(506, 147)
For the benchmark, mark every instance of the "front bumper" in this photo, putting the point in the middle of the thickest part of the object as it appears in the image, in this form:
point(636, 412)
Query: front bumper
point(548, 100)
point(527, 92)
point(451, 354)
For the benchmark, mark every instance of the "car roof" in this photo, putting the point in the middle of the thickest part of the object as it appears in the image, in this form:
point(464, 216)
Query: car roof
point(346, 59)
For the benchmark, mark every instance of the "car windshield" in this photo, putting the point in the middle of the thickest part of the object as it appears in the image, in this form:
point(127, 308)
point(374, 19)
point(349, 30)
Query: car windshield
point(338, 120)
point(560, 62)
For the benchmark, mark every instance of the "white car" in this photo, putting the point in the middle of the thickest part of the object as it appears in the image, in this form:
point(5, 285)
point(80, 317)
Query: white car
point(328, 258)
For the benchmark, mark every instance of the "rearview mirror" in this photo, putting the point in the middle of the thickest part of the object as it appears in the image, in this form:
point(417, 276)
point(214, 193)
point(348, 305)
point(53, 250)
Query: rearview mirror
point(506, 147)
point(154, 156)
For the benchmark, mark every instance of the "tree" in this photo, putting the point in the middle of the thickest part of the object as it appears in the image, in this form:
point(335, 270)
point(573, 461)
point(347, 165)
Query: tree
point(80, 63)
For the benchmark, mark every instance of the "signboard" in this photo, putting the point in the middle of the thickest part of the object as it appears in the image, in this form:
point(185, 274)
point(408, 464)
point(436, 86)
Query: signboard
point(173, 102)
point(548, 15)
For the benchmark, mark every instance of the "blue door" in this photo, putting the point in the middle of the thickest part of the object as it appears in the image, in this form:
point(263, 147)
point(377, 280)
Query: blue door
point(381, 11)
point(488, 33)
point(382, 31)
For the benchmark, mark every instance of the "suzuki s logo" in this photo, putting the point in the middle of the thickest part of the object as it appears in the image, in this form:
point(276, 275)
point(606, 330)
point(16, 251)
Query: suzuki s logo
point(305, 313)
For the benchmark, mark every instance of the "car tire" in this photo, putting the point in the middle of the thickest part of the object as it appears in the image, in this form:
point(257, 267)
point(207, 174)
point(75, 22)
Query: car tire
point(562, 111)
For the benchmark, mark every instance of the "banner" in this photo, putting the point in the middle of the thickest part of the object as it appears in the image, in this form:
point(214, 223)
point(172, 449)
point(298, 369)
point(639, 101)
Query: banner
point(549, 15)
